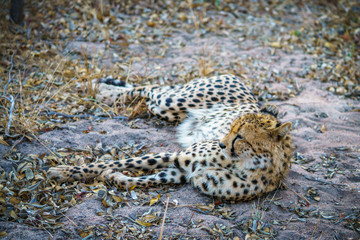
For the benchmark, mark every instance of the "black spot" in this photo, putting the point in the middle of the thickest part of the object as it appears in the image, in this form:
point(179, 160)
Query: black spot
point(221, 180)
point(181, 100)
point(183, 179)
point(152, 162)
point(85, 170)
point(162, 174)
point(173, 173)
point(187, 162)
point(205, 186)
point(254, 181)
point(246, 191)
point(235, 185)
point(228, 192)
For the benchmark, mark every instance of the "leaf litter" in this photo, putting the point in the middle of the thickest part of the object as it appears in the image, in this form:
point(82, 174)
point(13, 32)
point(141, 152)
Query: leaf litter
point(59, 47)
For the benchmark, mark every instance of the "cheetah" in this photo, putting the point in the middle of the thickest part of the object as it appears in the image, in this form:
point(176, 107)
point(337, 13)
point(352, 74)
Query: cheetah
point(233, 148)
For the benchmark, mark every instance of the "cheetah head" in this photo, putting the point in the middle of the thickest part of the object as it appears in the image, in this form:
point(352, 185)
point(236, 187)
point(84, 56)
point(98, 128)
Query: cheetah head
point(255, 135)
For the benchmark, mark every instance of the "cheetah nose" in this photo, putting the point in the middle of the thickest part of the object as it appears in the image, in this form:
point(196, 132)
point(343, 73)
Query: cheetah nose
point(221, 145)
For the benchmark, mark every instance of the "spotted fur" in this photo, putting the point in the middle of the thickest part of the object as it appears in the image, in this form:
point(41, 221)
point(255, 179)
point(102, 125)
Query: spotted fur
point(206, 106)
point(251, 157)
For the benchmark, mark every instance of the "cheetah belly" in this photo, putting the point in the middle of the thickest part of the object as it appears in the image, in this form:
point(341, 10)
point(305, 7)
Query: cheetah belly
point(210, 124)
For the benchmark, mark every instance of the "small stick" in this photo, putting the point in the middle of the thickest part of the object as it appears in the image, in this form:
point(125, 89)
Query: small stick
point(326, 182)
point(83, 116)
point(52, 152)
point(312, 235)
point(163, 220)
point(300, 196)
point(70, 220)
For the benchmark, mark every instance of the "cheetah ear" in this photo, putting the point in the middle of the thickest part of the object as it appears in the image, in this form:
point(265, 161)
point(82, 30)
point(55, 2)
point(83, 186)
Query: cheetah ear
point(282, 130)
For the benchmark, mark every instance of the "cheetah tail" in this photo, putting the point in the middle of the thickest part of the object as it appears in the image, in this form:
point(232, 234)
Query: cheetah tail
point(64, 173)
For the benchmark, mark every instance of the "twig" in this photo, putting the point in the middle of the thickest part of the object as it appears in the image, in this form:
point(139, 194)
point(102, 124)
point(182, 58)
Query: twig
point(42, 226)
point(312, 235)
point(84, 116)
point(188, 224)
point(10, 98)
point(297, 194)
point(163, 220)
point(290, 104)
point(14, 145)
point(70, 220)
point(11, 68)
point(52, 152)
point(325, 182)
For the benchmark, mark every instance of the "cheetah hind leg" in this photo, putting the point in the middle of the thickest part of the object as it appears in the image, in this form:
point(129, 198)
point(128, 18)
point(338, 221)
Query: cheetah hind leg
point(108, 90)
point(167, 176)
